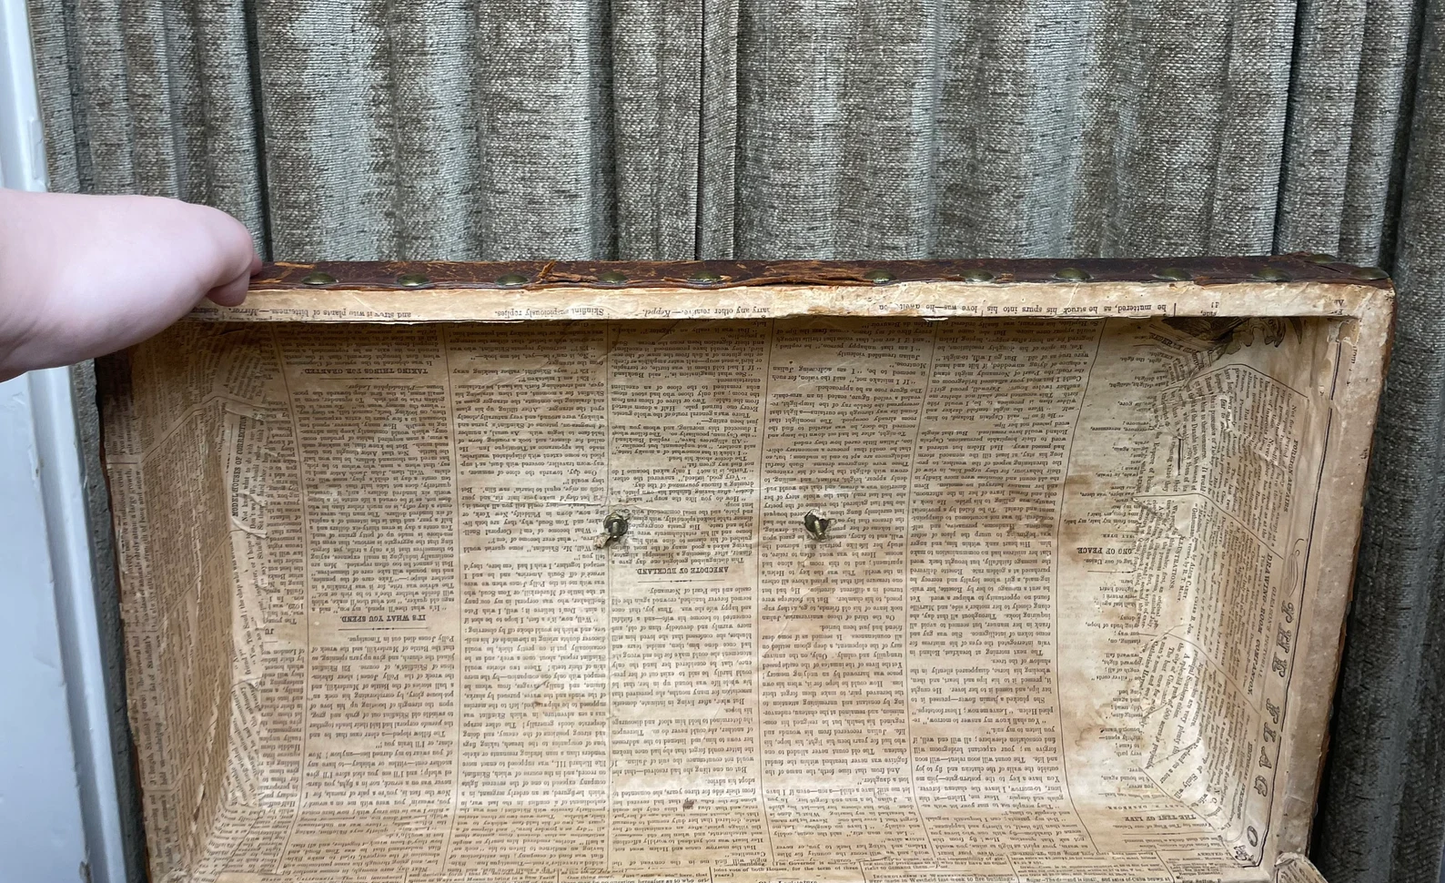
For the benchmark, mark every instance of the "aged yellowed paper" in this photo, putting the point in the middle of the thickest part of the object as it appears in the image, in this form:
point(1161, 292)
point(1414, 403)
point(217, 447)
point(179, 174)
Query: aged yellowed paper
point(1074, 616)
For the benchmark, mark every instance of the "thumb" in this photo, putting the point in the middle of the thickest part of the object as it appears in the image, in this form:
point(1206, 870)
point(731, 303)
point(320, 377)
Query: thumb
point(232, 292)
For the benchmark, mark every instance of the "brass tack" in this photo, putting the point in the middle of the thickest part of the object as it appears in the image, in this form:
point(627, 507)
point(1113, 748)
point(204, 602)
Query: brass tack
point(614, 527)
point(412, 280)
point(319, 278)
point(977, 276)
point(512, 280)
point(612, 277)
point(1072, 274)
point(1369, 273)
point(816, 525)
point(704, 277)
point(878, 277)
point(1272, 274)
point(1174, 274)
point(1320, 258)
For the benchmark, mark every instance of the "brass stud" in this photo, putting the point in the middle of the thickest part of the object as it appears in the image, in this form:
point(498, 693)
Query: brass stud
point(1369, 274)
point(816, 525)
point(614, 527)
point(1320, 258)
point(512, 280)
point(412, 280)
point(319, 278)
point(612, 277)
point(977, 276)
point(704, 277)
point(1174, 274)
point(878, 277)
point(1272, 274)
point(1072, 274)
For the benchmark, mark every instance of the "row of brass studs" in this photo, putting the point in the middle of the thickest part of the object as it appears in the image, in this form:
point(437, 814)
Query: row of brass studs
point(883, 277)
point(1168, 274)
point(1365, 274)
point(510, 280)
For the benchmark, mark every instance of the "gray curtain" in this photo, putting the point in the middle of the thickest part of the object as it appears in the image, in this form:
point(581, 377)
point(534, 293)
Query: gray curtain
point(466, 129)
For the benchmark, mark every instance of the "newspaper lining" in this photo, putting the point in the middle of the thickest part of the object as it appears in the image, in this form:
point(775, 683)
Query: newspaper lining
point(1050, 633)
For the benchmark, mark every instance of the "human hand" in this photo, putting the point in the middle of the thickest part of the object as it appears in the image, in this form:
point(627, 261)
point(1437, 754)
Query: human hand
point(81, 276)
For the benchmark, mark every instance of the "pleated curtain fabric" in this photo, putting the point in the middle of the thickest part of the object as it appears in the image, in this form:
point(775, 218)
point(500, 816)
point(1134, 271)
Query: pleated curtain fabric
point(674, 129)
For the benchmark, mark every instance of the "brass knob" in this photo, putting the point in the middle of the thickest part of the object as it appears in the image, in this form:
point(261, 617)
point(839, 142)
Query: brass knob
point(1369, 274)
point(816, 525)
point(614, 527)
point(1174, 274)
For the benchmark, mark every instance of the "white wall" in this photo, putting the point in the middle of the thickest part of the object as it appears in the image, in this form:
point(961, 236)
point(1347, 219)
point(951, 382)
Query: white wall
point(42, 835)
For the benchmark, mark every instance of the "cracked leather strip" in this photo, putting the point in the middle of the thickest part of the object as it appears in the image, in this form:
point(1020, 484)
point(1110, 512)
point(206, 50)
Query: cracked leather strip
point(383, 275)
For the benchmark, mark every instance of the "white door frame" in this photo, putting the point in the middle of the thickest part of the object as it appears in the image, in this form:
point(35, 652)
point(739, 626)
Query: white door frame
point(59, 814)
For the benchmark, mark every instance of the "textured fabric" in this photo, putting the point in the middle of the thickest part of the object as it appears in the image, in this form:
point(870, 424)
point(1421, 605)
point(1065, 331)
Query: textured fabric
point(423, 129)
point(144, 96)
point(1010, 128)
point(1382, 817)
point(851, 129)
point(1347, 134)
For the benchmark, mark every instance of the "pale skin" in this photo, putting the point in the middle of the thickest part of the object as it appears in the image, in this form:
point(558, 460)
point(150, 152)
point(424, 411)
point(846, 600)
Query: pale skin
point(82, 276)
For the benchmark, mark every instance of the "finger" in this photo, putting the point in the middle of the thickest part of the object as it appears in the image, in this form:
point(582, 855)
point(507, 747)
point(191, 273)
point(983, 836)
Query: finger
point(232, 293)
point(234, 249)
